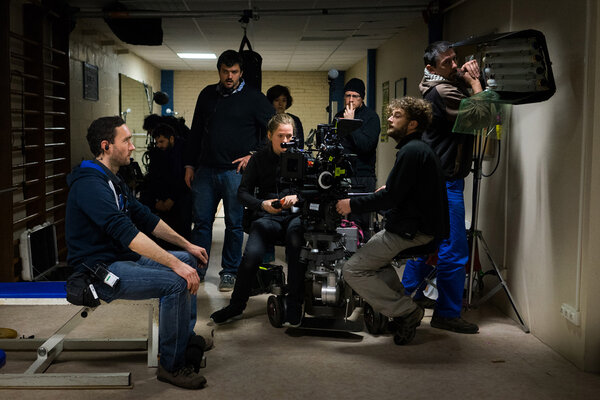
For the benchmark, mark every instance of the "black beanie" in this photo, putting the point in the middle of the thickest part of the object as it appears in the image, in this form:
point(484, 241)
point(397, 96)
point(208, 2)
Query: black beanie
point(355, 85)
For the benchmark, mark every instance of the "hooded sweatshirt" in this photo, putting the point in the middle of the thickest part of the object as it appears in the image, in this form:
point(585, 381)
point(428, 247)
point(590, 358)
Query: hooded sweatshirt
point(455, 150)
point(102, 217)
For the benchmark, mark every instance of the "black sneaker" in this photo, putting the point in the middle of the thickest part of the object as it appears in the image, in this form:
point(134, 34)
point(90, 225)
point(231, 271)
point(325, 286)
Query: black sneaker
point(227, 314)
point(227, 283)
point(293, 316)
point(426, 302)
point(194, 352)
point(410, 321)
point(457, 325)
point(184, 377)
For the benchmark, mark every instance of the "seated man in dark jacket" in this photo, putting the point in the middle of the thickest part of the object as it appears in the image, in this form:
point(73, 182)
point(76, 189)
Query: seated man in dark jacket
point(106, 224)
point(415, 196)
point(261, 176)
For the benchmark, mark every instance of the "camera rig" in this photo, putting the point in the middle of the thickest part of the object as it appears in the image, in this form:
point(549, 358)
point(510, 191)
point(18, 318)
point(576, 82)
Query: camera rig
point(320, 176)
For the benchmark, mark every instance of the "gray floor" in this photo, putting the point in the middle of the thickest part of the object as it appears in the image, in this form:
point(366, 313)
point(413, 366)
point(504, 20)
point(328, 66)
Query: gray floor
point(252, 360)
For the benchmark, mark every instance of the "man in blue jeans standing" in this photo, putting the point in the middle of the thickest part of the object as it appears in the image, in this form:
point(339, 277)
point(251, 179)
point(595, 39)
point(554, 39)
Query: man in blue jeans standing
point(105, 224)
point(229, 123)
point(444, 85)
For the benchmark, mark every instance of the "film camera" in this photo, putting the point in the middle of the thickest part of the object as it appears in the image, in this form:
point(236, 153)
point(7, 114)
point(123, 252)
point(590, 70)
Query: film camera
point(320, 176)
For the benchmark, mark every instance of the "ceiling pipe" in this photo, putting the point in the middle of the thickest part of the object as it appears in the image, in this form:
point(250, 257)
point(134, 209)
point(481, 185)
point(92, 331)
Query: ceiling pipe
point(262, 13)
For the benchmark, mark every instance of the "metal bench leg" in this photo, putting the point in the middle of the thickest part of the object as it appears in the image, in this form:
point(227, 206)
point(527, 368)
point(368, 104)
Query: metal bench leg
point(153, 320)
point(52, 347)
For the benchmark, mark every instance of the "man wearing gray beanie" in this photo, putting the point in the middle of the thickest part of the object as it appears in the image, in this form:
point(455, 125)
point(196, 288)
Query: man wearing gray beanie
point(362, 142)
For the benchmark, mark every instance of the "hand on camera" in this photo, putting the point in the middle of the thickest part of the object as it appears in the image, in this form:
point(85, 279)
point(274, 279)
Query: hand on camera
point(288, 201)
point(343, 207)
point(267, 205)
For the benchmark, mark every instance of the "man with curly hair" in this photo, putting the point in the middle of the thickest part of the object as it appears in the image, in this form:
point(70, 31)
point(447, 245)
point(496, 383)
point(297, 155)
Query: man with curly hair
point(415, 196)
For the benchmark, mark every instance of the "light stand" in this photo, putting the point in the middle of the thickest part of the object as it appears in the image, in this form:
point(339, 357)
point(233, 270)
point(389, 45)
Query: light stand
point(476, 235)
point(483, 115)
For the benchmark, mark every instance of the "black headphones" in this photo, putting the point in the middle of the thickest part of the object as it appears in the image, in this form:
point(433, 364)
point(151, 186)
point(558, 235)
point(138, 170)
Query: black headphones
point(106, 147)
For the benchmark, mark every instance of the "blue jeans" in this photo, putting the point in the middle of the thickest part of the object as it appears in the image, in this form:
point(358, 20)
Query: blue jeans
point(453, 254)
point(147, 279)
point(209, 186)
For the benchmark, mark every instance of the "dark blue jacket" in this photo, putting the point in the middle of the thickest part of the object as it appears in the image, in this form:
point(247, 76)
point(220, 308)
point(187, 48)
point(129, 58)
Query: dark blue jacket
point(102, 222)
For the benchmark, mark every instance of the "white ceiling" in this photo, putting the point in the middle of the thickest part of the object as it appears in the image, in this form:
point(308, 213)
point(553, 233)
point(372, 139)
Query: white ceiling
point(290, 35)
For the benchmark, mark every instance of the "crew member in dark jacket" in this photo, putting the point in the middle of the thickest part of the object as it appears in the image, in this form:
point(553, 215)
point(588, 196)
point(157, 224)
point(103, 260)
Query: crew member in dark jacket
point(229, 122)
point(444, 85)
point(165, 191)
point(362, 142)
point(415, 196)
point(258, 190)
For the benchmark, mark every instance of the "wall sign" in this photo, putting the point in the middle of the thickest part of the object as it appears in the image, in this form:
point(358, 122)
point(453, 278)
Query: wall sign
point(90, 81)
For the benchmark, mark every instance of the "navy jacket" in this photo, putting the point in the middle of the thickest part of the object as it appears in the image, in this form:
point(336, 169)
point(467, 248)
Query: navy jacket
point(102, 222)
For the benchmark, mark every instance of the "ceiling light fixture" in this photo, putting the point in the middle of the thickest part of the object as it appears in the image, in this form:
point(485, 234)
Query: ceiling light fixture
point(198, 56)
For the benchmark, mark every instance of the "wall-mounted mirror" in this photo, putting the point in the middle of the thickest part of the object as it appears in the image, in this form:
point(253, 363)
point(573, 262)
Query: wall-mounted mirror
point(135, 103)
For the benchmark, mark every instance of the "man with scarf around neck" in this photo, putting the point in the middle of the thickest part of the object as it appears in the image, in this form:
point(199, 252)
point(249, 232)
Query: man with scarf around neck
point(444, 85)
point(417, 214)
point(229, 123)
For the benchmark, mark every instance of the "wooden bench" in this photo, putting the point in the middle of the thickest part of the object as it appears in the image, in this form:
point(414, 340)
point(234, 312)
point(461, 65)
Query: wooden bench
point(53, 293)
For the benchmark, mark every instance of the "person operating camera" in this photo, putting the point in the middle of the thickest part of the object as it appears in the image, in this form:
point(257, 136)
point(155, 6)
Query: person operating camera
point(262, 194)
point(415, 197)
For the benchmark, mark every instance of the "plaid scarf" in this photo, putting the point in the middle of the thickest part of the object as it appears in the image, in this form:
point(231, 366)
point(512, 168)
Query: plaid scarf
point(433, 77)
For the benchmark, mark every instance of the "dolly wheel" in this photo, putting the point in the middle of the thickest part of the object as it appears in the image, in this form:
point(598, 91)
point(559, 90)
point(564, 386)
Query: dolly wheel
point(275, 311)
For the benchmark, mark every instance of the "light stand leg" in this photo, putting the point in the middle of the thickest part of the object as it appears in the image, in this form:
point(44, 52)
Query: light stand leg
point(501, 285)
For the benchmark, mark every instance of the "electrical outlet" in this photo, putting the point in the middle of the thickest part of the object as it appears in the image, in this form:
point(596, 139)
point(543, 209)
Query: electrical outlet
point(570, 313)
